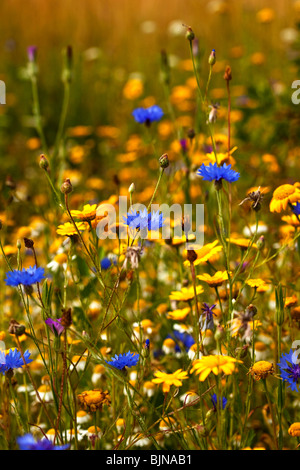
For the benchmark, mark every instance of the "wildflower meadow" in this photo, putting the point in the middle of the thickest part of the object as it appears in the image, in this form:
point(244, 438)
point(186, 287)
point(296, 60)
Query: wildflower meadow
point(150, 226)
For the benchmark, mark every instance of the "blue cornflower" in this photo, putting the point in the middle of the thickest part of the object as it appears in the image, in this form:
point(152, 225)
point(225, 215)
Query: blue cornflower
point(184, 338)
point(27, 277)
point(142, 220)
point(148, 115)
point(221, 399)
point(105, 263)
point(27, 442)
point(213, 172)
point(290, 370)
point(296, 208)
point(13, 360)
point(128, 359)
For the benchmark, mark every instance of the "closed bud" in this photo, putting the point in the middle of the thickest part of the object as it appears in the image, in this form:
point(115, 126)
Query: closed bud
point(164, 161)
point(212, 58)
point(260, 242)
point(19, 244)
point(191, 134)
point(219, 333)
point(131, 188)
point(66, 187)
point(44, 164)
point(190, 35)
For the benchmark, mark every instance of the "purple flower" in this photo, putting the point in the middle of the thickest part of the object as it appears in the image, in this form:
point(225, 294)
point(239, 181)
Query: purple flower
point(31, 53)
point(55, 325)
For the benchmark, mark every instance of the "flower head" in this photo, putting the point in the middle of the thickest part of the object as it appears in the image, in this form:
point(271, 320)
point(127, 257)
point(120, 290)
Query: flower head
point(213, 172)
point(217, 364)
point(128, 359)
point(290, 370)
point(214, 281)
point(26, 277)
point(185, 294)
point(148, 115)
point(284, 195)
point(261, 370)
point(294, 430)
point(68, 229)
point(209, 320)
point(142, 220)
point(27, 442)
point(296, 208)
point(55, 325)
point(13, 360)
point(170, 379)
point(222, 401)
point(94, 400)
point(87, 214)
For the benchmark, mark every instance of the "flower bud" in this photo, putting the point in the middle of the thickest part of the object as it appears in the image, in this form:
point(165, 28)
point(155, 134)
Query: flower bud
point(66, 187)
point(44, 164)
point(19, 244)
point(212, 58)
point(164, 161)
point(131, 188)
point(260, 242)
point(191, 134)
point(190, 35)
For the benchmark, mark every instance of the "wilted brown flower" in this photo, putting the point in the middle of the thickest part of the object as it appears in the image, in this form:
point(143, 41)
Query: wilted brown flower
point(93, 400)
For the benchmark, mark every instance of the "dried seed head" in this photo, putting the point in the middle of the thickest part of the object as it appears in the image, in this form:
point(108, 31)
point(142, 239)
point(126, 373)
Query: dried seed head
point(66, 319)
point(28, 243)
point(15, 328)
point(228, 74)
point(191, 256)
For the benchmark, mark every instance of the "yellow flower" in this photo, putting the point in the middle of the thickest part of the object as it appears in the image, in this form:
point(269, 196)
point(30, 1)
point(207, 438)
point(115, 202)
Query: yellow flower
point(291, 301)
point(170, 379)
point(265, 15)
point(179, 314)
point(217, 364)
point(294, 430)
point(185, 294)
point(214, 281)
point(205, 253)
point(68, 229)
point(241, 242)
point(86, 214)
point(133, 89)
point(282, 196)
point(261, 370)
point(94, 399)
point(256, 283)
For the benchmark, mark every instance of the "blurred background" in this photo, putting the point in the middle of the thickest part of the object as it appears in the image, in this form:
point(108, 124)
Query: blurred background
point(116, 41)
